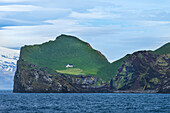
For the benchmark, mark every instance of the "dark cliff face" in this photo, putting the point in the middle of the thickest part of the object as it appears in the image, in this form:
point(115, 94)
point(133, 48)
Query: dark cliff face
point(30, 78)
point(144, 71)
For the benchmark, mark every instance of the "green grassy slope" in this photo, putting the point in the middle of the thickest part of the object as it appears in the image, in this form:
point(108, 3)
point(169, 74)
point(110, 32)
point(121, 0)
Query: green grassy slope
point(65, 50)
point(111, 69)
point(165, 49)
point(116, 65)
point(71, 50)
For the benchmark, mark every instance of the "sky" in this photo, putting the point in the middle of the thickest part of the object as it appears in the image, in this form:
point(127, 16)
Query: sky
point(114, 27)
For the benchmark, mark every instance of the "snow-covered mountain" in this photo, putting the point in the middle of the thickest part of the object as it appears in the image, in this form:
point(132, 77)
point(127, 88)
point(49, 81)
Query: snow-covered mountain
point(8, 60)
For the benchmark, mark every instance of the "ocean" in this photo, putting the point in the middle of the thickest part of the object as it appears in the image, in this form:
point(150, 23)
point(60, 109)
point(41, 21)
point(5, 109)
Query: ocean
point(83, 103)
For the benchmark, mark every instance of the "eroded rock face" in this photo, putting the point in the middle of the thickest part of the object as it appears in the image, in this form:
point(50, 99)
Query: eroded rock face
point(144, 71)
point(30, 78)
point(165, 87)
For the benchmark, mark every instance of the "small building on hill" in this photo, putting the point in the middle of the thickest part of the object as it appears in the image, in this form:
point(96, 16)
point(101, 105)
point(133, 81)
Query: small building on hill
point(69, 66)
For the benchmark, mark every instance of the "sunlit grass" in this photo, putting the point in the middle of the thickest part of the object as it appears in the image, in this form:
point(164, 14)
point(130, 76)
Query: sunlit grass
point(72, 71)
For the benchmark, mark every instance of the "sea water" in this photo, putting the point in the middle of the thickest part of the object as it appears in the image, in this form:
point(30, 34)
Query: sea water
point(83, 103)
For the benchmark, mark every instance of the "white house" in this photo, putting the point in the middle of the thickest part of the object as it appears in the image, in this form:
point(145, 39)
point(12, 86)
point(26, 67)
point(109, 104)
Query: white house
point(69, 65)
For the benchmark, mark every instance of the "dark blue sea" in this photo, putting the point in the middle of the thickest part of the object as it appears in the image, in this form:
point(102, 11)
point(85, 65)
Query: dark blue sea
point(83, 103)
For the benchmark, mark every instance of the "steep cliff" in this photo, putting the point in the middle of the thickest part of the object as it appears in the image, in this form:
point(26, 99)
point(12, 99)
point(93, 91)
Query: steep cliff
point(144, 71)
point(42, 68)
point(30, 78)
point(112, 69)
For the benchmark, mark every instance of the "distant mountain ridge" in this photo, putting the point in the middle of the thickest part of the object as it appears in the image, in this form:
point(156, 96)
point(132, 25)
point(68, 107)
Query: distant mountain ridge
point(8, 59)
point(8, 62)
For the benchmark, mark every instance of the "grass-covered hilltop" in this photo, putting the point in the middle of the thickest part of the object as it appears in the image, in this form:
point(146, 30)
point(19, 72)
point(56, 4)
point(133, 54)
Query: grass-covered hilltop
point(69, 64)
point(66, 50)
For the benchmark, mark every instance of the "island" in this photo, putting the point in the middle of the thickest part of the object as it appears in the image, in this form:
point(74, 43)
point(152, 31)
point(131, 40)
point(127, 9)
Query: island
point(70, 65)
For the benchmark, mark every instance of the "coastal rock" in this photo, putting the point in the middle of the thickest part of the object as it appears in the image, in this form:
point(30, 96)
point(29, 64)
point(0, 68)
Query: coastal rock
point(30, 78)
point(34, 79)
point(144, 71)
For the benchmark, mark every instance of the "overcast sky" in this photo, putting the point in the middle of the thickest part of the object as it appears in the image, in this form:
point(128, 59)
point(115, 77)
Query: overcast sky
point(115, 27)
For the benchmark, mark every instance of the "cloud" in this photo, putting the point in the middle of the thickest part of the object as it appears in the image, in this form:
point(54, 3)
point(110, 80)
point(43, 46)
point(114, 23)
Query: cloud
point(18, 8)
point(13, 1)
point(104, 23)
point(96, 13)
point(153, 23)
point(41, 33)
point(62, 21)
point(87, 15)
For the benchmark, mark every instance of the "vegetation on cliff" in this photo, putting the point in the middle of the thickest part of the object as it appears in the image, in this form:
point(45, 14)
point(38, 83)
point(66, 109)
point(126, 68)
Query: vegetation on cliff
point(112, 69)
point(143, 70)
point(65, 50)
point(165, 49)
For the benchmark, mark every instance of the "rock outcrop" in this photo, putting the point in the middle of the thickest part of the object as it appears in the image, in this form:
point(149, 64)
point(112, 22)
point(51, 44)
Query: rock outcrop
point(30, 78)
point(144, 71)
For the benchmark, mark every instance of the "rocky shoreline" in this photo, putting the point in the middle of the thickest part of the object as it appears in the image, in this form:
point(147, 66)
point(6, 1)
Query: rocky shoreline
point(131, 91)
